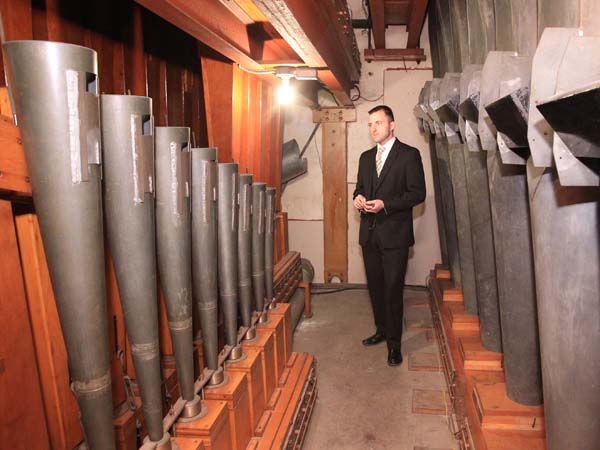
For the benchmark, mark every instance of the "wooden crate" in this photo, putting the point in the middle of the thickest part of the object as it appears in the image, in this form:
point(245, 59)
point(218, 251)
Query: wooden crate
point(234, 391)
point(285, 310)
point(125, 431)
point(214, 429)
point(276, 323)
point(265, 344)
point(251, 365)
point(188, 443)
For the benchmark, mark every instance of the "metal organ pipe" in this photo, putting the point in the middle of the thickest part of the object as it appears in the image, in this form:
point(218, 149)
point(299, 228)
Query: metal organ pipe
point(245, 253)
point(269, 242)
point(258, 244)
point(227, 223)
point(53, 88)
point(127, 136)
point(174, 250)
point(204, 252)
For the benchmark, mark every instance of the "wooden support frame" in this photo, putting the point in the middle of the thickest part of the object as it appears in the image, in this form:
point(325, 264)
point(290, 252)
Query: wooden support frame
point(335, 189)
point(395, 54)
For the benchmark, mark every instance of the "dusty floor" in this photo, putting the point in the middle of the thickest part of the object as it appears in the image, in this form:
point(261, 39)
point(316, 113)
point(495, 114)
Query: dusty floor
point(362, 402)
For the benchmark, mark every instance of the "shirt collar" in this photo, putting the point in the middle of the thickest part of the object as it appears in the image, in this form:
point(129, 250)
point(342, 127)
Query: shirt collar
point(388, 145)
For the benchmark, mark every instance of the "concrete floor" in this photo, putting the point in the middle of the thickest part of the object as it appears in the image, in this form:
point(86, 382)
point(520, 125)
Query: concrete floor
point(362, 402)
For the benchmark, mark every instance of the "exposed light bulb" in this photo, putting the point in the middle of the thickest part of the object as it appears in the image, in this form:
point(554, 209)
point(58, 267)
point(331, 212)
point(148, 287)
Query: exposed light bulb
point(285, 94)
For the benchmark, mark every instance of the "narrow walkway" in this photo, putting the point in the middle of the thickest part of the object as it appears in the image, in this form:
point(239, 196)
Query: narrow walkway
point(362, 402)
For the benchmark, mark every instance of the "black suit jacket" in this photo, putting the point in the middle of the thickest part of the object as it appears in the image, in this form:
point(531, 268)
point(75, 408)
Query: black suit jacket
point(401, 185)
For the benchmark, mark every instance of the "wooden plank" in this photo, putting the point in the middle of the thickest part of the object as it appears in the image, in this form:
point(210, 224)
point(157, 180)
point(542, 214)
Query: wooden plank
point(415, 25)
point(335, 190)
point(460, 320)
point(239, 113)
point(217, 77)
point(235, 393)
point(378, 22)
point(136, 78)
point(498, 412)
point(174, 95)
point(62, 411)
point(395, 54)
point(14, 174)
point(157, 88)
point(476, 357)
point(397, 12)
point(21, 407)
point(282, 243)
point(215, 25)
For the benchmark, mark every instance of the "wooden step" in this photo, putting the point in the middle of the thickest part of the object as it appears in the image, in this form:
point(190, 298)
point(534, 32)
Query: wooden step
point(497, 412)
point(213, 429)
point(475, 357)
point(460, 320)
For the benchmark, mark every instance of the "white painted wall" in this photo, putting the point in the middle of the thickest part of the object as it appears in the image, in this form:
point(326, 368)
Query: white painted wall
point(393, 83)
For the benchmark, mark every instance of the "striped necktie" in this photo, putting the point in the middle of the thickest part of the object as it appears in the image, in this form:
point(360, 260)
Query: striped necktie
point(379, 159)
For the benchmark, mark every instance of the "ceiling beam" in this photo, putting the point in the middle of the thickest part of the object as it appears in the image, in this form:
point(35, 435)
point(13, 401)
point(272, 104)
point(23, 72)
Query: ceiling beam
point(397, 12)
point(377, 12)
point(395, 54)
point(317, 38)
point(219, 28)
point(415, 24)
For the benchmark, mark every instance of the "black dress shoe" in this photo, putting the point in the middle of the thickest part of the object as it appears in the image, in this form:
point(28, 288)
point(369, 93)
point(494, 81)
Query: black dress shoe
point(394, 357)
point(373, 340)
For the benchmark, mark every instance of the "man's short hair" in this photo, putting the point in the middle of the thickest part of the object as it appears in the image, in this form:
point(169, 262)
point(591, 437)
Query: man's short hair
point(386, 109)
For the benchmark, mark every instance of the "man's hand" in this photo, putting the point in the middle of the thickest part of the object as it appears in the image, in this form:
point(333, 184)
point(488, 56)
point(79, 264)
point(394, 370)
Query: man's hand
point(360, 202)
point(374, 206)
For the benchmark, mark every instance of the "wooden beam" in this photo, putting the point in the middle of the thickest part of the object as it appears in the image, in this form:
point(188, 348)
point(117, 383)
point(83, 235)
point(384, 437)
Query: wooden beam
point(397, 12)
point(415, 24)
point(217, 77)
point(335, 189)
point(395, 54)
point(216, 26)
point(378, 21)
point(317, 37)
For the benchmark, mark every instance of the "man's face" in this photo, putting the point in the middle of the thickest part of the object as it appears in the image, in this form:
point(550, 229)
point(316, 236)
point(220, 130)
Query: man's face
point(380, 127)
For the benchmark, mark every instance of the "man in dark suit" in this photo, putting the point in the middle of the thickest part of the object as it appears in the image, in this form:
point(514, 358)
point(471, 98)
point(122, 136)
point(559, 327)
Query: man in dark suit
point(390, 183)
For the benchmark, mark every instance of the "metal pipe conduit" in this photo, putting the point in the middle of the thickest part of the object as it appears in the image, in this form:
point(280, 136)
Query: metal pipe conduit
point(258, 244)
point(245, 253)
point(227, 224)
point(53, 88)
point(204, 253)
point(174, 249)
point(127, 136)
point(269, 243)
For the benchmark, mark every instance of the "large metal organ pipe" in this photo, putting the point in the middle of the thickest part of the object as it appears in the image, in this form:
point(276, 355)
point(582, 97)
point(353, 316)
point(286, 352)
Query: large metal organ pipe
point(269, 242)
point(54, 89)
point(128, 142)
point(245, 254)
point(174, 250)
point(258, 244)
point(204, 253)
point(227, 223)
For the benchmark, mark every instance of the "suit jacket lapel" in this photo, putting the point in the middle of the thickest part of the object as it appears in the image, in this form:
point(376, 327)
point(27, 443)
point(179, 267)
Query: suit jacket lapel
point(389, 161)
point(371, 174)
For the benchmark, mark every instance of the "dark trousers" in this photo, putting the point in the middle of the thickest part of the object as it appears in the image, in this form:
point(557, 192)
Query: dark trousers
point(386, 269)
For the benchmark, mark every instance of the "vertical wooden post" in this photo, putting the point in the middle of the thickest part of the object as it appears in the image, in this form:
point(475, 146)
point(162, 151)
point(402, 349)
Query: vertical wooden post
point(335, 189)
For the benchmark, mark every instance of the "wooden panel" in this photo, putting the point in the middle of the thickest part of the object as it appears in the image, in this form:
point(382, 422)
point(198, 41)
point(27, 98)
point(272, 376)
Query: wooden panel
point(217, 77)
point(13, 166)
point(16, 24)
point(174, 96)
point(21, 407)
point(395, 54)
point(397, 12)
point(116, 332)
point(235, 393)
point(282, 245)
point(239, 112)
point(378, 21)
point(136, 78)
point(415, 25)
point(62, 412)
point(157, 89)
point(335, 202)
